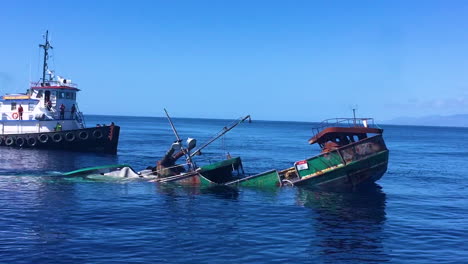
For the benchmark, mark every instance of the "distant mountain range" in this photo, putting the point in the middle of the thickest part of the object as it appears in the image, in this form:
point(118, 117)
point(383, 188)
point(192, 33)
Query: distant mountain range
point(435, 120)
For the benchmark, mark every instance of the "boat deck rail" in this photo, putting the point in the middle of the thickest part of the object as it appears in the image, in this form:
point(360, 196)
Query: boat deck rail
point(366, 122)
point(52, 83)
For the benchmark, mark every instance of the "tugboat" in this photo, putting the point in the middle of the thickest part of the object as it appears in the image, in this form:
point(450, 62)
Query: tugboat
point(47, 117)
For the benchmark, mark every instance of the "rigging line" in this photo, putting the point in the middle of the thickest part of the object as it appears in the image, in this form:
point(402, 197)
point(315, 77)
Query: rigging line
point(53, 60)
point(220, 133)
point(38, 60)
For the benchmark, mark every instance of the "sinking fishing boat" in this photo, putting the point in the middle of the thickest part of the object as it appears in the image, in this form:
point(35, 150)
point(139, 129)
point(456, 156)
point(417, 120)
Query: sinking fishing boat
point(47, 116)
point(218, 173)
point(225, 172)
point(228, 172)
point(353, 154)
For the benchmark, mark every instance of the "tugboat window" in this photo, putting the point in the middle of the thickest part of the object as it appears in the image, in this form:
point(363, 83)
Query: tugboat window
point(13, 106)
point(31, 106)
point(61, 95)
point(39, 94)
point(67, 95)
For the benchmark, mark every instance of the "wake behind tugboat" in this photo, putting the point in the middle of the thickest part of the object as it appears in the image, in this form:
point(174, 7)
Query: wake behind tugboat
point(47, 116)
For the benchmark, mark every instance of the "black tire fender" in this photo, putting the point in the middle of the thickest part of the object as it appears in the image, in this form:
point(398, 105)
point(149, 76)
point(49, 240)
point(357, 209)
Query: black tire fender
point(70, 137)
point(9, 141)
point(20, 141)
point(83, 135)
point(97, 134)
point(32, 141)
point(43, 138)
point(57, 137)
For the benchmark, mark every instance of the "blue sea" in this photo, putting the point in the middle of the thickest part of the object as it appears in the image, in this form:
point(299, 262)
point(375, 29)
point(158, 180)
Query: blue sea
point(417, 213)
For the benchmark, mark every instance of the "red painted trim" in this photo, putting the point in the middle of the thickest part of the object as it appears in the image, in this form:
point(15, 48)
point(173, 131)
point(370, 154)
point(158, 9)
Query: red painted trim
point(344, 130)
point(55, 87)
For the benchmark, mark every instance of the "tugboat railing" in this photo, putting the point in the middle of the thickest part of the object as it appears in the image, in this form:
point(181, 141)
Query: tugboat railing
point(345, 122)
point(53, 83)
point(79, 116)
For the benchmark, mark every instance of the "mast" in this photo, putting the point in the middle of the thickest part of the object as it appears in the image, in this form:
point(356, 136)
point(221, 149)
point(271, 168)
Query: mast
point(46, 47)
point(186, 154)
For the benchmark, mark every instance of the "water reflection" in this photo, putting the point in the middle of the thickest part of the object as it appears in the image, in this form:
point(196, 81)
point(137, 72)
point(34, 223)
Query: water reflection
point(221, 191)
point(35, 214)
point(35, 161)
point(349, 224)
point(218, 191)
point(52, 216)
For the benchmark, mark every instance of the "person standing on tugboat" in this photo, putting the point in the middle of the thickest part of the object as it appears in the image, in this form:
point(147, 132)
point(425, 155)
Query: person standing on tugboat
point(20, 112)
point(62, 112)
point(72, 112)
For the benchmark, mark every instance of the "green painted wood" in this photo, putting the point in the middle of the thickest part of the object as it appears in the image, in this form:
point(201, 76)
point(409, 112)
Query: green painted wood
point(215, 173)
point(321, 162)
point(229, 162)
point(205, 182)
point(266, 179)
point(370, 168)
point(221, 172)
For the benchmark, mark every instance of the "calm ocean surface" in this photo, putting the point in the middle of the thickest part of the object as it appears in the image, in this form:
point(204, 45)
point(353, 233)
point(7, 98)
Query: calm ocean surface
point(417, 213)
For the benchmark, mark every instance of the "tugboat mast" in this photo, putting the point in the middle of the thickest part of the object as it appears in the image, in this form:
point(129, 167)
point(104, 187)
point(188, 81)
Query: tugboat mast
point(46, 47)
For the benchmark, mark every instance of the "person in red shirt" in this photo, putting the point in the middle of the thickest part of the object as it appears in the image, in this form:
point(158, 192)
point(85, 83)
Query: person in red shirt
point(20, 112)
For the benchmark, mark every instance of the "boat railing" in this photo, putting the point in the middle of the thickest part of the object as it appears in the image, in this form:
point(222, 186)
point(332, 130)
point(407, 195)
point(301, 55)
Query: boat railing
point(55, 114)
point(53, 83)
point(345, 122)
point(79, 116)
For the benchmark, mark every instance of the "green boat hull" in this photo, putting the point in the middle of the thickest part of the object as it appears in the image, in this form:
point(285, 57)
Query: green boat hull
point(267, 179)
point(347, 167)
point(222, 172)
point(217, 173)
point(351, 175)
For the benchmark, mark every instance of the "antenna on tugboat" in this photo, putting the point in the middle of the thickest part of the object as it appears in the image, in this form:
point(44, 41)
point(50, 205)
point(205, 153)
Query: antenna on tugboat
point(46, 46)
point(187, 156)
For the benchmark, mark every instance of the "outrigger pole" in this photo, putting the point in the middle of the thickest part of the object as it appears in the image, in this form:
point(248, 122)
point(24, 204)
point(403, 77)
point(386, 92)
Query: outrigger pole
point(221, 133)
point(188, 157)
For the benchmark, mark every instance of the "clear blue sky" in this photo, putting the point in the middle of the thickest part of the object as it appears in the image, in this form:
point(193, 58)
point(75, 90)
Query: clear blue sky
point(275, 60)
